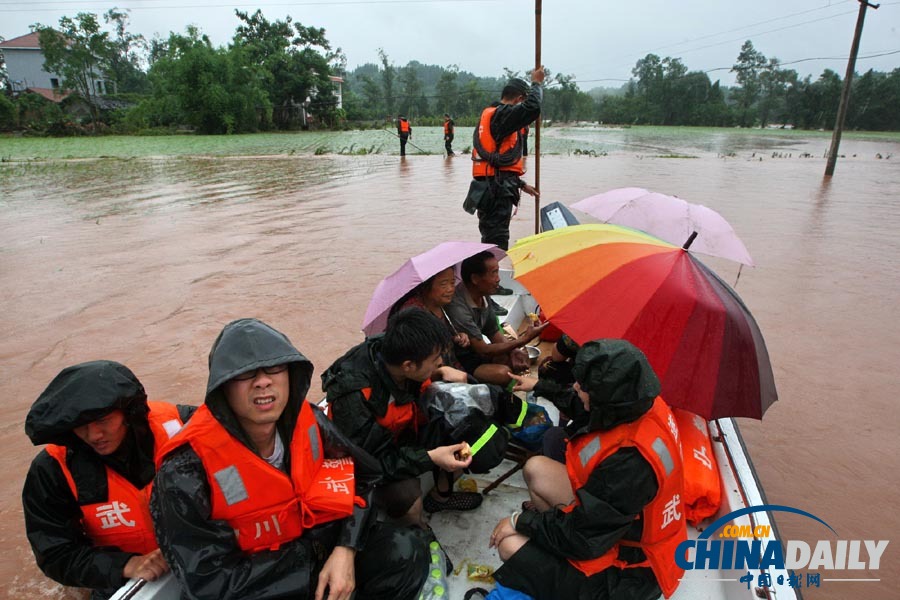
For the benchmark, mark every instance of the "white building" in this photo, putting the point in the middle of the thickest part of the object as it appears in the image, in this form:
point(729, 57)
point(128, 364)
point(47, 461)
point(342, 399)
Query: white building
point(25, 69)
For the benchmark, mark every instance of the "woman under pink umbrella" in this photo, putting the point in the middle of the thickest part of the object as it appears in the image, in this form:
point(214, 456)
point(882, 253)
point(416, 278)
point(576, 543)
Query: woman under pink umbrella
point(433, 295)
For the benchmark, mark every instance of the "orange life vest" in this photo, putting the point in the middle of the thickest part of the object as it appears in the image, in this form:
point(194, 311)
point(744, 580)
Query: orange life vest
point(448, 128)
point(123, 519)
point(655, 435)
point(402, 416)
point(265, 506)
point(487, 160)
point(403, 126)
point(702, 488)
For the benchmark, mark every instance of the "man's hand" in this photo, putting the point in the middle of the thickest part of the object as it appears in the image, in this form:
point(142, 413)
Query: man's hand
point(537, 76)
point(148, 567)
point(531, 332)
point(337, 575)
point(523, 383)
point(461, 339)
point(531, 191)
point(445, 457)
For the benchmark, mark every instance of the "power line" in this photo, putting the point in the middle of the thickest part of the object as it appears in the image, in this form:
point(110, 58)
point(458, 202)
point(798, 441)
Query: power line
point(712, 35)
point(755, 35)
point(235, 5)
point(780, 64)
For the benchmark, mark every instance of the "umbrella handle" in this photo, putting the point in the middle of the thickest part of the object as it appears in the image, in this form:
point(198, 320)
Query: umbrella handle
point(690, 240)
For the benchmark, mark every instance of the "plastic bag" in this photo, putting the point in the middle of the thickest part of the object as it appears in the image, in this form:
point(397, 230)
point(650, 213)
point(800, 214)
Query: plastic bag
point(455, 401)
point(501, 592)
point(537, 422)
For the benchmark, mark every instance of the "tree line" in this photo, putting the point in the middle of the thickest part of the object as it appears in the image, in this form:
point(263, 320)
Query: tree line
point(276, 75)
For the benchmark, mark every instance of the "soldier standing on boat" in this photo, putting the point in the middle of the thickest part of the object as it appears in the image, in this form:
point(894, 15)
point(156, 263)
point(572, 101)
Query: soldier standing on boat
point(262, 497)
point(608, 522)
point(404, 132)
point(497, 155)
point(85, 495)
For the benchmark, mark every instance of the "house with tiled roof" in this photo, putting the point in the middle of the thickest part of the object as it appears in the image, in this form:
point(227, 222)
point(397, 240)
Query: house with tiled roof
point(25, 69)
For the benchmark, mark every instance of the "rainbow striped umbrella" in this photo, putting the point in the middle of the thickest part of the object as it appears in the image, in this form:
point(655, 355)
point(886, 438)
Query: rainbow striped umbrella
point(608, 281)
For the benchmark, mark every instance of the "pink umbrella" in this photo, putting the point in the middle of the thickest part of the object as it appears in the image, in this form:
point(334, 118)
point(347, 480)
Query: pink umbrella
point(413, 272)
point(669, 218)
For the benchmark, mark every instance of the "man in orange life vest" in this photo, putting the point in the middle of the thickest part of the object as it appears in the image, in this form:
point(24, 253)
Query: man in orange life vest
point(497, 155)
point(404, 132)
point(261, 496)
point(373, 392)
point(608, 521)
point(87, 493)
point(449, 130)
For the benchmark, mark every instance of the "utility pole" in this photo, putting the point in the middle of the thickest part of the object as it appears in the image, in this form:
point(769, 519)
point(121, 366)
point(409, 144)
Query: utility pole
point(845, 93)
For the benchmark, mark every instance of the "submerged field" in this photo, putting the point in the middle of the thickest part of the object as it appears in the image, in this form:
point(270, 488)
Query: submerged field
point(593, 141)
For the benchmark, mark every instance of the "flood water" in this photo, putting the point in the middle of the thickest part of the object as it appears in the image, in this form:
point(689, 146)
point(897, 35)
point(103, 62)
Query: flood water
point(144, 260)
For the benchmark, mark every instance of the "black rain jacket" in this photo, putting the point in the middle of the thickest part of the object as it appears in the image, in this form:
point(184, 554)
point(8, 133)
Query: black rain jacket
point(78, 395)
point(343, 382)
point(204, 553)
point(622, 387)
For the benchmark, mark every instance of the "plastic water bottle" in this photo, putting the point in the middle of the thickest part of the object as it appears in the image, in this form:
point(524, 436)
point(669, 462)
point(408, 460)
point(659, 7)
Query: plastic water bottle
point(435, 586)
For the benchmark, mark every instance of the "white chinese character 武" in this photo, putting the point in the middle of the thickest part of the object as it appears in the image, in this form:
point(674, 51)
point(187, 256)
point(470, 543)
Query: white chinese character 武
point(670, 512)
point(113, 515)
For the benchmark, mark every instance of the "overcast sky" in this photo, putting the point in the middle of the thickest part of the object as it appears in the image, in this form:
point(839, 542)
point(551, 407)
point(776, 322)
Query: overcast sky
point(598, 41)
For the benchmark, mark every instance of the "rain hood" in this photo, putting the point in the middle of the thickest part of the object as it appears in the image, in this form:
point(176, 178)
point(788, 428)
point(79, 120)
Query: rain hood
point(83, 393)
point(619, 380)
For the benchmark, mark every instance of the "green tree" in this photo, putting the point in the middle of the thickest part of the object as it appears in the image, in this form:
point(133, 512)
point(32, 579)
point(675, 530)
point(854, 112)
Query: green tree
point(126, 55)
point(873, 100)
point(296, 61)
point(747, 70)
point(773, 85)
point(80, 52)
point(9, 114)
point(566, 96)
point(215, 90)
point(388, 75)
point(447, 90)
point(4, 76)
point(411, 94)
point(372, 94)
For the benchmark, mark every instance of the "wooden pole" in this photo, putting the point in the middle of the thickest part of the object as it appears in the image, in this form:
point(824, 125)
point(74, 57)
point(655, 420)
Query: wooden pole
point(845, 93)
point(537, 124)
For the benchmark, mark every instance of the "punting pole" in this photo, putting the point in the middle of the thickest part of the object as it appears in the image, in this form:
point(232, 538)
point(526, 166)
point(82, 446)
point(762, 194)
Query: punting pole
point(537, 125)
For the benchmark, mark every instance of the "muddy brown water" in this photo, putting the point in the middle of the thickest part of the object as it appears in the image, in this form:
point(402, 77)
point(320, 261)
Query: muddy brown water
point(143, 261)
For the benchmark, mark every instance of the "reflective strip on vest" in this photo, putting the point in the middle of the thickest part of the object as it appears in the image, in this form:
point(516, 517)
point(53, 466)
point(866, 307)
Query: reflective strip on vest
point(315, 444)
point(589, 451)
point(488, 434)
point(659, 446)
point(522, 414)
point(232, 485)
point(172, 427)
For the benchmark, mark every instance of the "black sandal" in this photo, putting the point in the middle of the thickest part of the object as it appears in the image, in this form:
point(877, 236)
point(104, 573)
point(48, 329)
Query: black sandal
point(453, 501)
